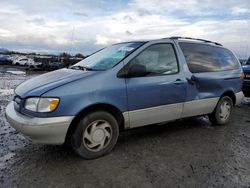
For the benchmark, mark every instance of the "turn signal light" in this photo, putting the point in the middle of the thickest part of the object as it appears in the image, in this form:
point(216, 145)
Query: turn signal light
point(242, 76)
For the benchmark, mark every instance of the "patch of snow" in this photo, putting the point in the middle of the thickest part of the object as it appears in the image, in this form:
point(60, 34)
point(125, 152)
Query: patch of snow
point(4, 92)
point(5, 158)
point(16, 72)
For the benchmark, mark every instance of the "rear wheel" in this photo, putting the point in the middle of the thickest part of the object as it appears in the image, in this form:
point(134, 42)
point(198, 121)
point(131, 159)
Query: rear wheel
point(222, 113)
point(96, 135)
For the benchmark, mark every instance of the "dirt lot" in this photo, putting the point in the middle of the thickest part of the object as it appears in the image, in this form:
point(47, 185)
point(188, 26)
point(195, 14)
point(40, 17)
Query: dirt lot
point(187, 153)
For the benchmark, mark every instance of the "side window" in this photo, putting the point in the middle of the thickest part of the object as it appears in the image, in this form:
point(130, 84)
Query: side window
point(206, 58)
point(226, 58)
point(159, 59)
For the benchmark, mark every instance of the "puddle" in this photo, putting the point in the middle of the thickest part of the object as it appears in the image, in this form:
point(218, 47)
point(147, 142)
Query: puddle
point(246, 100)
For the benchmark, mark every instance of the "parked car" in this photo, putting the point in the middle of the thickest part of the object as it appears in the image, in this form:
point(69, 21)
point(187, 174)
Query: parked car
point(242, 62)
point(5, 59)
point(36, 66)
point(246, 83)
point(54, 65)
point(124, 86)
point(23, 61)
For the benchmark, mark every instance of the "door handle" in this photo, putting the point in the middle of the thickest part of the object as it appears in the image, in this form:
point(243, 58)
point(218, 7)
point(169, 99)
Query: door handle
point(178, 81)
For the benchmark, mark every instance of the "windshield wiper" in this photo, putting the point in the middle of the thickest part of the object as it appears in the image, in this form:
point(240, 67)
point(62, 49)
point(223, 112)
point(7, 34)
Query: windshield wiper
point(78, 67)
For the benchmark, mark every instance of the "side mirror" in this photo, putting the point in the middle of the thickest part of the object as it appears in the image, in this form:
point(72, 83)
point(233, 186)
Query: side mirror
point(134, 70)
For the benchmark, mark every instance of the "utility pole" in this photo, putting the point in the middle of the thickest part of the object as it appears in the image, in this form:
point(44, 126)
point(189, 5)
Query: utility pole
point(247, 53)
point(72, 40)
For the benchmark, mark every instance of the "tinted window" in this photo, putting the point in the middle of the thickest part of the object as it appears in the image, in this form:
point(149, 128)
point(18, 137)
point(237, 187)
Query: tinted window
point(207, 58)
point(159, 59)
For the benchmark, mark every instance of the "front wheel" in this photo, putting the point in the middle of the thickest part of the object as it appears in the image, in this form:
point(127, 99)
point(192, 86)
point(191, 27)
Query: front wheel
point(95, 135)
point(222, 113)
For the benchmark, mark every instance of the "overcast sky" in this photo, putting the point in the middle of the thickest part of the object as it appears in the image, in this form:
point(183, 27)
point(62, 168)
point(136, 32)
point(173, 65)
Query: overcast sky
point(53, 26)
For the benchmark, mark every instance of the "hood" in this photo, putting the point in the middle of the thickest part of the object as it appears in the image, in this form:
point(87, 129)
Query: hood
point(246, 68)
point(45, 82)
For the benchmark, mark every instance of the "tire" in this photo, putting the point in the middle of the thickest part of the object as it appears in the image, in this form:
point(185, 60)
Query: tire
point(222, 112)
point(96, 135)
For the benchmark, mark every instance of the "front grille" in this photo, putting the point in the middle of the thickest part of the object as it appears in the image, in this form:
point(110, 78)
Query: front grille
point(247, 75)
point(17, 103)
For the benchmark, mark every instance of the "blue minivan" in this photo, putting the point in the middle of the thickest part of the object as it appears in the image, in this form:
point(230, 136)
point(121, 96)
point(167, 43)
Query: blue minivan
point(246, 83)
point(124, 86)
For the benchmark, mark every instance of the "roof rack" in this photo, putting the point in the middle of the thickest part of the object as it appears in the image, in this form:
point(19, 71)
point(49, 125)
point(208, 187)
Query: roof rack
point(189, 38)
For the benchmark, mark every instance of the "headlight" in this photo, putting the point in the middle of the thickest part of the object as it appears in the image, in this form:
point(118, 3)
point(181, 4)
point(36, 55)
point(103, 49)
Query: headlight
point(37, 104)
point(31, 104)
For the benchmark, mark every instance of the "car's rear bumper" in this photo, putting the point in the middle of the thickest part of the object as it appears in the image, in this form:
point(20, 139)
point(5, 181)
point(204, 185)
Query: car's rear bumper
point(41, 130)
point(239, 98)
point(246, 88)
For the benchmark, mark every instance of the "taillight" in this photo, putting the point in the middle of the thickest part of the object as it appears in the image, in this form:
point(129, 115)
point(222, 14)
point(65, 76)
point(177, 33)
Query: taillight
point(242, 76)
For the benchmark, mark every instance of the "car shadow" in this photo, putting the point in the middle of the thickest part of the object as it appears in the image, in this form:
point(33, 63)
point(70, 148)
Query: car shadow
point(157, 130)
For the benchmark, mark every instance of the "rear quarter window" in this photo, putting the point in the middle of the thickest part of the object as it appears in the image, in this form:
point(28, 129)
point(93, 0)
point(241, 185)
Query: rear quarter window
point(207, 58)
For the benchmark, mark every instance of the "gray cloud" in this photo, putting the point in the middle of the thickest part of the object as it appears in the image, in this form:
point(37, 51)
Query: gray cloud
point(36, 21)
point(129, 33)
point(128, 18)
point(80, 14)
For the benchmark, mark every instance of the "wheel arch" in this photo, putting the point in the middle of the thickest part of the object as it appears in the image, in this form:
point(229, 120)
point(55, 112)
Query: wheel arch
point(95, 107)
point(230, 94)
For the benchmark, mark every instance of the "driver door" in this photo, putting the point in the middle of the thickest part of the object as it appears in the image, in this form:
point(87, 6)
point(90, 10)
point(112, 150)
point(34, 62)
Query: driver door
point(159, 95)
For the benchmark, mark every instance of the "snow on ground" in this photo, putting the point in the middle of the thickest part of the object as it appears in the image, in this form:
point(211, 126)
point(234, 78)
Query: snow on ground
point(6, 92)
point(16, 72)
point(5, 158)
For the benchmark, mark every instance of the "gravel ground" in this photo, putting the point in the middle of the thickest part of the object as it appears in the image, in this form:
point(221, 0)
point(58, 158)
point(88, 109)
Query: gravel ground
point(187, 153)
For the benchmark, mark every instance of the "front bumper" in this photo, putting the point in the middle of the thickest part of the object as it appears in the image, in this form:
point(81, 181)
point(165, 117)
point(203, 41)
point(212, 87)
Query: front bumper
point(40, 130)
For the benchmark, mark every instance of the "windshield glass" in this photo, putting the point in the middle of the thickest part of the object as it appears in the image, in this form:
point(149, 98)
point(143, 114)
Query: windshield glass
point(109, 56)
point(248, 61)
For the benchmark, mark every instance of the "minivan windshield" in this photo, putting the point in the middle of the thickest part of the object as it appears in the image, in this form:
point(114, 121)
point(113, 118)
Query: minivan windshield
point(108, 57)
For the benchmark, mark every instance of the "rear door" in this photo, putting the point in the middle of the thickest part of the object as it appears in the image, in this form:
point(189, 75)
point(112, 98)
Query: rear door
point(212, 70)
point(158, 96)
